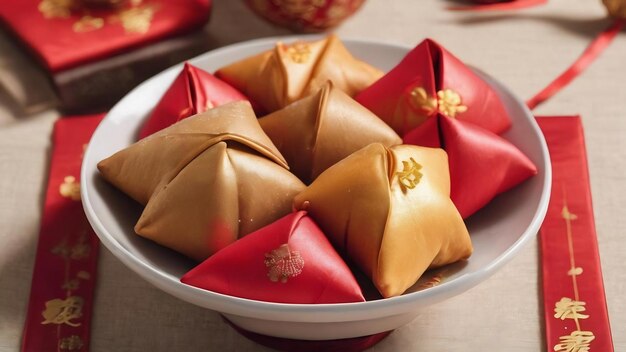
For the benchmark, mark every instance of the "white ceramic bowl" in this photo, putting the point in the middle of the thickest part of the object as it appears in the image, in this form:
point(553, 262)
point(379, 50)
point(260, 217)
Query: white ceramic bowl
point(498, 231)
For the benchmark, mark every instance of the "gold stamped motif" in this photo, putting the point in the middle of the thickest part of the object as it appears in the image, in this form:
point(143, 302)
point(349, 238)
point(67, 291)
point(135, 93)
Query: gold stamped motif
point(63, 311)
point(137, 19)
point(305, 9)
point(299, 52)
point(87, 24)
point(56, 8)
point(423, 101)
point(83, 275)
point(449, 103)
point(410, 175)
point(71, 343)
point(567, 308)
point(70, 188)
point(283, 263)
point(577, 341)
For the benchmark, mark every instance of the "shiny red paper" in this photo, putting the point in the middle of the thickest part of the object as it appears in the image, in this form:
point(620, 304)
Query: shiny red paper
point(288, 261)
point(192, 92)
point(65, 34)
point(576, 315)
point(482, 164)
point(64, 278)
point(430, 80)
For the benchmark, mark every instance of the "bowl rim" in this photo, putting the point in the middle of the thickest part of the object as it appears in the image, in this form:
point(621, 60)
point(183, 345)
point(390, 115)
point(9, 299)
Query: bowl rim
point(335, 312)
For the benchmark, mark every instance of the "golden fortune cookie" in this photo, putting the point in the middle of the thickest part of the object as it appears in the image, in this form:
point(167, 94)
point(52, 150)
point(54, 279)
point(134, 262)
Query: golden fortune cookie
point(205, 181)
point(316, 132)
point(278, 77)
point(616, 8)
point(389, 210)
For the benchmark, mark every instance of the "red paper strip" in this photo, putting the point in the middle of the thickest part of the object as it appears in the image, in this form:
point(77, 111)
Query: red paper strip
point(500, 6)
point(595, 48)
point(59, 309)
point(576, 315)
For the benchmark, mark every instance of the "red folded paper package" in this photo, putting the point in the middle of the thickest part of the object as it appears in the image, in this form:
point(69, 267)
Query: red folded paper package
point(482, 164)
point(430, 80)
point(194, 91)
point(65, 34)
point(288, 261)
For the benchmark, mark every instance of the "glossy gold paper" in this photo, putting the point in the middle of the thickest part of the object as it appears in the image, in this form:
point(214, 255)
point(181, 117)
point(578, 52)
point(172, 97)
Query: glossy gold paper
point(389, 210)
point(205, 181)
point(316, 132)
point(278, 77)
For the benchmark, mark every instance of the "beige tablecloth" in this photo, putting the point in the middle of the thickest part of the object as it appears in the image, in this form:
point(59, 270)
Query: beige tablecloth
point(524, 50)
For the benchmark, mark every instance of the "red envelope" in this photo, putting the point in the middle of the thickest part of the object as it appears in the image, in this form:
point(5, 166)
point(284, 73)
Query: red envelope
point(194, 91)
point(430, 80)
point(288, 261)
point(482, 164)
point(66, 34)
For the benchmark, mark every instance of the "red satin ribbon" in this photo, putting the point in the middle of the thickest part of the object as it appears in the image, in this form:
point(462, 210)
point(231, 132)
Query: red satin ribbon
point(575, 309)
point(500, 6)
point(595, 48)
point(59, 309)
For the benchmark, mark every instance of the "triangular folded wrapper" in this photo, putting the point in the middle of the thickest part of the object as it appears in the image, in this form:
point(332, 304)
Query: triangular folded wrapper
point(205, 181)
point(278, 77)
point(482, 164)
point(288, 261)
point(192, 92)
point(430, 80)
point(389, 210)
point(316, 132)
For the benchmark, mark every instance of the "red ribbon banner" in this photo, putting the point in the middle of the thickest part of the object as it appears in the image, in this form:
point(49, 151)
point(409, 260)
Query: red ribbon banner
point(576, 315)
point(59, 309)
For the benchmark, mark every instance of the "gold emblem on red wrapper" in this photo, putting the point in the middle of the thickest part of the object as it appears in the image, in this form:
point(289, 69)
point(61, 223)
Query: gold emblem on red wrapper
point(70, 188)
point(134, 17)
point(447, 102)
point(410, 175)
point(88, 24)
point(63, 311)
point(423, 101)
point(283, 263)
point(71, 343)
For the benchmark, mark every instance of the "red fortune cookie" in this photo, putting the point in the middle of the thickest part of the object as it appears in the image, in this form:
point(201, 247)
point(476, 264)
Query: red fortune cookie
point(482, 164)
point(430, 80)
point(194, 91)
point(288, 261)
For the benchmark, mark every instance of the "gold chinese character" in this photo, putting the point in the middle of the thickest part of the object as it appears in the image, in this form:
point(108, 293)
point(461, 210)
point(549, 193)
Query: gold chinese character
point(72, 343)
point(63, 311)
point(70, 188)
point(299, 52)
point(577, 341)
point(567, 308)
point(283, 263)
point(410, 176)
point(423, 101)
point(449, 103)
